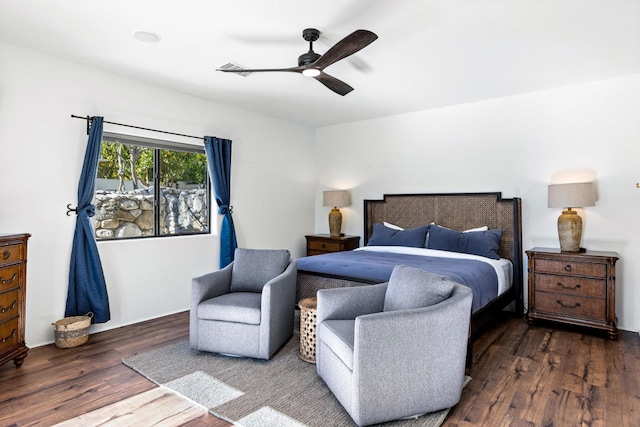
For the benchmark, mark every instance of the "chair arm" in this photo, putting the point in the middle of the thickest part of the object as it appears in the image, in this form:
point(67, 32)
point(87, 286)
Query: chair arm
point(210, 285)
point(349, 303)
point(277, 311)
point(202, 288)
point(279, 293)
point(414, 331)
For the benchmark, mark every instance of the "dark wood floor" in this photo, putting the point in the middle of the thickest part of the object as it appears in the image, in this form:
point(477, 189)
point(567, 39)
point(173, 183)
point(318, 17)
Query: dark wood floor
point(54, 385)
point(522, 376)
point(547, 375)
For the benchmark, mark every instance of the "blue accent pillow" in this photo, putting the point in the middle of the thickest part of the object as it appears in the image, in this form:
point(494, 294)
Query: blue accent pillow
point(385, 236)
point(482, 243)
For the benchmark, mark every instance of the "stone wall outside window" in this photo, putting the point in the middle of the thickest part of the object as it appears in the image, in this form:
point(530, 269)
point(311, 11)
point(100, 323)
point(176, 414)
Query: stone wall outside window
point(130, 213)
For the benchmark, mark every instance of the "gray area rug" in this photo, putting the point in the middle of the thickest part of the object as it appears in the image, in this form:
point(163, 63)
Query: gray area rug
point(284, 391)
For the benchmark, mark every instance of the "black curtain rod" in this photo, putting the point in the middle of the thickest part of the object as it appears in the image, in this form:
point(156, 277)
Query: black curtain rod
point(90, 118)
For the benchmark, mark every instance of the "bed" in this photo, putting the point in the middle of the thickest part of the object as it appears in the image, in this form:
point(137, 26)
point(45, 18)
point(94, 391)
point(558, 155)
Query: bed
point(445, 214)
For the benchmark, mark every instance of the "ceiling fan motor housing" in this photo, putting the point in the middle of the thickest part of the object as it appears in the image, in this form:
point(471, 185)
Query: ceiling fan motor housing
point(310, 35)
point(307, 58)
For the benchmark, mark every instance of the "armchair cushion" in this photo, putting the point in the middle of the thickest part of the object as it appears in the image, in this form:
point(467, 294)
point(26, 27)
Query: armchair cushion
point(253, 268)
point(414, 288)
point(240, 307)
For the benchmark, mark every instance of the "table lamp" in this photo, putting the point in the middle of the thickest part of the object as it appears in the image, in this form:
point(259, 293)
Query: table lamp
point(574, 195)
point(335, 199)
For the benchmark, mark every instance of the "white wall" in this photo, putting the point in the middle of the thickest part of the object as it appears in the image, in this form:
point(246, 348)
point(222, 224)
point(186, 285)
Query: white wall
point(517, 145)
point(42, 149)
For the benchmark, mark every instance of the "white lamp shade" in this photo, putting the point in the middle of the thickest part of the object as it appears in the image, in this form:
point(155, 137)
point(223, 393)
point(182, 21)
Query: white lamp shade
point(336, 198)
point(574, 195)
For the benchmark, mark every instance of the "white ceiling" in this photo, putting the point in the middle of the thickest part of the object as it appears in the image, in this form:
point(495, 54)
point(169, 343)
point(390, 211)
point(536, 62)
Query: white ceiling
point(430, 53)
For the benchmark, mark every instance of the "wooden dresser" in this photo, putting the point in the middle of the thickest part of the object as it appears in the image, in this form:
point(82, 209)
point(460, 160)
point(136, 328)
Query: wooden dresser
point(13, 280)
point(323, 243)
point(577, 288)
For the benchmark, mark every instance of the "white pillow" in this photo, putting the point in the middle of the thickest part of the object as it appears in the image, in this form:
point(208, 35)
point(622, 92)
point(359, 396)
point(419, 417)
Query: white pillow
point(392, 226)
point(471, 230)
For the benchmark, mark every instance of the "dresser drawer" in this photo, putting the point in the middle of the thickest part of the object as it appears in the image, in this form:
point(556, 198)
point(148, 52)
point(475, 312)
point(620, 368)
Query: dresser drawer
point(10, 277)
point(324, 246)
point(312, 253)
point(9, 333)
point(9, 304)
point(11, 253)
point(569, 285)
point(570, 267)
point(571, 306)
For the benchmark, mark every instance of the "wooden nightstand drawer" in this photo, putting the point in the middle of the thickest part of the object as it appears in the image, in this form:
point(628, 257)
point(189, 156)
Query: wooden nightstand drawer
point(11, 253)
point(10, 277)
point(566, 305)
point(570, 267)
point(323, 246)
point(569, 285)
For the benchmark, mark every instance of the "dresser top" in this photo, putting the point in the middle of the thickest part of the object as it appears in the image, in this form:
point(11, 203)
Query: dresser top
point(585, 253)
point(5, 236)
point(342, 237)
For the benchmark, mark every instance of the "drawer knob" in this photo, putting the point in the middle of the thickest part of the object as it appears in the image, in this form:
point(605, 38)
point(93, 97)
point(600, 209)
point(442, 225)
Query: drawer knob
point(568, 306)
point(5, 281)
point(577, 286)
point(567, 267)
point(324, 246)
point(4, 310)
point(6, 254)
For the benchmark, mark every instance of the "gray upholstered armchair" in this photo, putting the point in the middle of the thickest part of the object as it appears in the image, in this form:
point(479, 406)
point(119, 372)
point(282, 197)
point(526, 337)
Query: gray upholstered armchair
point(397, 349)
point(246, 308)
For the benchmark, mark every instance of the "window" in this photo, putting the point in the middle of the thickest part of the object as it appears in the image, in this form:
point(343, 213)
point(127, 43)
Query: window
point(150, 188)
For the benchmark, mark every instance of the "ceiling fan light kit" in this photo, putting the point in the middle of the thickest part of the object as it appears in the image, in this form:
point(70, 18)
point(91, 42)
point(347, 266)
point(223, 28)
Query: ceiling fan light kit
point(311, 64)
point(311, 72)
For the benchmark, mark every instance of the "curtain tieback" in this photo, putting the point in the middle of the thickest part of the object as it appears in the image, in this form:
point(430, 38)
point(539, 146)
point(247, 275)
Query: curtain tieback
point(89, 210)
point(225, 209)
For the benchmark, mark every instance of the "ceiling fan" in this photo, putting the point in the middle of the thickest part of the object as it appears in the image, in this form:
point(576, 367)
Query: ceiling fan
point(312, 64)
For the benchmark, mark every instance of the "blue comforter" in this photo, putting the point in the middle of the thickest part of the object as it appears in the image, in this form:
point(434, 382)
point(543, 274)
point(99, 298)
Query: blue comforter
point(376, 267)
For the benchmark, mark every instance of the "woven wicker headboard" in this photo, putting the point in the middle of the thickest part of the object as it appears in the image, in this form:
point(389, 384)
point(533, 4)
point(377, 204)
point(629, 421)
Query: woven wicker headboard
point(456, 211)
point(459, 211)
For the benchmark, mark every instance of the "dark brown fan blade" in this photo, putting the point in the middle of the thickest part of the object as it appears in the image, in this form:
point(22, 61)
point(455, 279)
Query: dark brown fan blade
point(261, 70)
point(338, 86)
point(349, 45)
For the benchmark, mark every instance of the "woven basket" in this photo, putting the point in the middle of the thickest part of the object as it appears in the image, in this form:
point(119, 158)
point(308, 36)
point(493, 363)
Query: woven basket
point(72, 331)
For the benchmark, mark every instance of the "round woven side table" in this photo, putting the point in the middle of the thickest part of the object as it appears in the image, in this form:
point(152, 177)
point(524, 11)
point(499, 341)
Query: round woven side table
point(308, 329)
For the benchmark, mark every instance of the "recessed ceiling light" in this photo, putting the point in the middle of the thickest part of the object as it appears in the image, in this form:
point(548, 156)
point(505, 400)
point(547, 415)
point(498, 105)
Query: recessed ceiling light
point(147, 36)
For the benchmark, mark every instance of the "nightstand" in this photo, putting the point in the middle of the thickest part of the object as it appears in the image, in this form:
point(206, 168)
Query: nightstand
point(323, 243)
point(577, 288)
